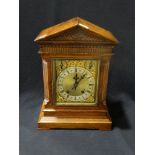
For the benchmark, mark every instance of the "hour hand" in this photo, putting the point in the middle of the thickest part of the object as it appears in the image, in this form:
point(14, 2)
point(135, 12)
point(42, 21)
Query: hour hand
point(76, 81)
point(74, 86)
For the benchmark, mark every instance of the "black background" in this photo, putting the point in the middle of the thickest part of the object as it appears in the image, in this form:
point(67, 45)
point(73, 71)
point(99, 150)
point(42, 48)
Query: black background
point(118, 17)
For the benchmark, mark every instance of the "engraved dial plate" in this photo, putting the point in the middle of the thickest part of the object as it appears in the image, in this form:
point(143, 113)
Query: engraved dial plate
point(76, 81)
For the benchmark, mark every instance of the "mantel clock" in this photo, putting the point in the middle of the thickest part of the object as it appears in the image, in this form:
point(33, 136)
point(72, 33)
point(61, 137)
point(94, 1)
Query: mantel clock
point(75, 57)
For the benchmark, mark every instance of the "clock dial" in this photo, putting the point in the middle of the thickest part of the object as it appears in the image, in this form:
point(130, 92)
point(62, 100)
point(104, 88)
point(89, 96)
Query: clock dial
point(76, 82)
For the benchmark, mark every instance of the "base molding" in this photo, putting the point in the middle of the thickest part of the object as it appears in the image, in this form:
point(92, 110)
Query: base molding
point(100, 122)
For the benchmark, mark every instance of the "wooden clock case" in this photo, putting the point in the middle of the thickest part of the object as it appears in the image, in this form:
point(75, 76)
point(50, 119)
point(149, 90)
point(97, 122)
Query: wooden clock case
point(75, 39)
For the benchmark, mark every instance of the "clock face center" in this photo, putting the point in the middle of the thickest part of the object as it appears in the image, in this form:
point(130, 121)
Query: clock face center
point(75, 87)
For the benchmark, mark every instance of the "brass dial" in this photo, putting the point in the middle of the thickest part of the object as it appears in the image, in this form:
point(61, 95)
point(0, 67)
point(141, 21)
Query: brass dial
point(76, 82)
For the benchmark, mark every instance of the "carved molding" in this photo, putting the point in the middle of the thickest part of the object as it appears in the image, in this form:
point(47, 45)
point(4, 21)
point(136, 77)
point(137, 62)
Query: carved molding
point(67, 51)
point(77, 34)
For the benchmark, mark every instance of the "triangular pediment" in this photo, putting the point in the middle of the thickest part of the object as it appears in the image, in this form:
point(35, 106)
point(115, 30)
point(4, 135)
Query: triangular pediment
point(77, 34)
point(76, 30)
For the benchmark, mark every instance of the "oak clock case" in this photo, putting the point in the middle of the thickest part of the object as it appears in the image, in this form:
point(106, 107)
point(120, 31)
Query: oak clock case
point(75, 56)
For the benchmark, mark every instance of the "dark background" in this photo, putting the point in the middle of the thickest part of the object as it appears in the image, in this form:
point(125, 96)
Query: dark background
point(118, 17)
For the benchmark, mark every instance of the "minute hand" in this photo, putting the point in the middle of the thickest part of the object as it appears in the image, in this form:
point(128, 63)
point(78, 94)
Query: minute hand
point(77, 83)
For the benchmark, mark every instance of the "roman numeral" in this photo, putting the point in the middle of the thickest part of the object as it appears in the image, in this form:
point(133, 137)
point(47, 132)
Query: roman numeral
point(91, 84)
point(68, 72)
point(75, 69)
point(88, 91)
point(61, 91)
